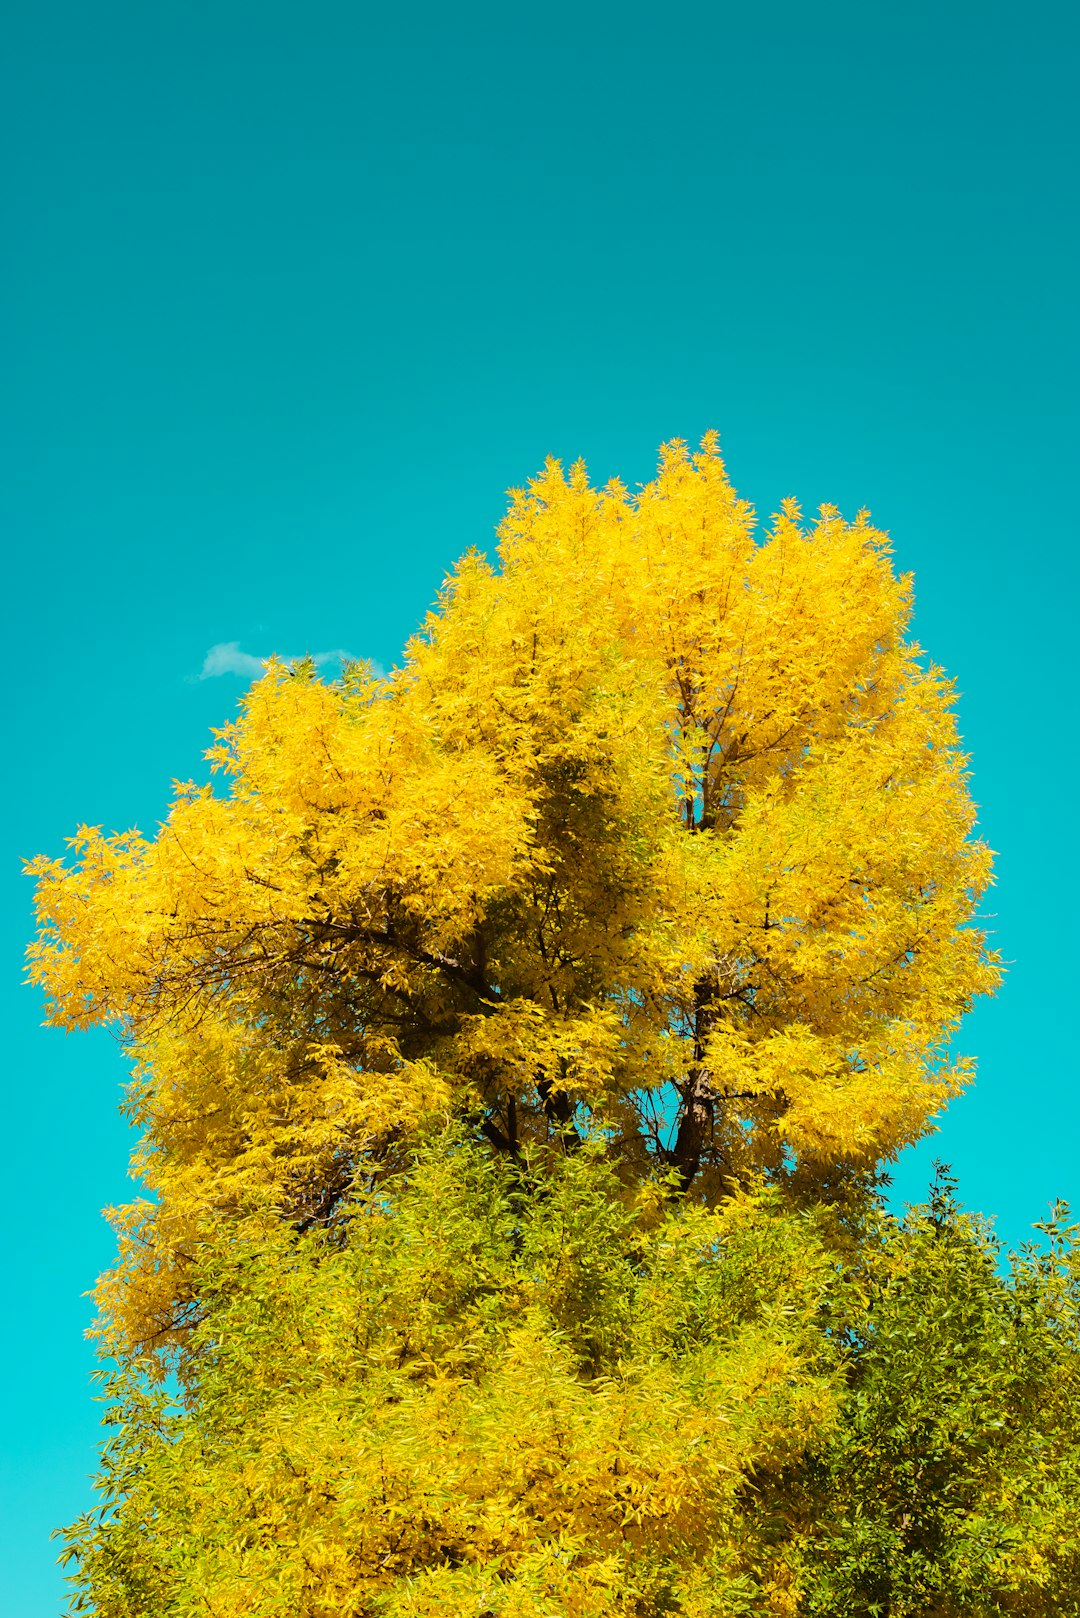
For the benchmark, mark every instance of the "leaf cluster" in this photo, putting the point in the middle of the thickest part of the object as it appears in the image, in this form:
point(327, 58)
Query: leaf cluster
point(517, 1390)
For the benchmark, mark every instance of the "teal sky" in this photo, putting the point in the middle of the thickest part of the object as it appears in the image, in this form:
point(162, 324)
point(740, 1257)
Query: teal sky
point(292, 293)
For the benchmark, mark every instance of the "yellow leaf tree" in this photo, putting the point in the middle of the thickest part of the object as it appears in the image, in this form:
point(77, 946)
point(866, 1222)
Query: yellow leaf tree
point(660, 833)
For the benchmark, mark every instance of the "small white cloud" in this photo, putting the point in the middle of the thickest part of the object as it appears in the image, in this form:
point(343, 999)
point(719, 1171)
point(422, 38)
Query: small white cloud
point(227, 658)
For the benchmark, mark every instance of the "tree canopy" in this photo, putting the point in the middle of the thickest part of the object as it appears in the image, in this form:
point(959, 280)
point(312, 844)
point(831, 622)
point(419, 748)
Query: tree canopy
point(657, 825)
point(518, 1041)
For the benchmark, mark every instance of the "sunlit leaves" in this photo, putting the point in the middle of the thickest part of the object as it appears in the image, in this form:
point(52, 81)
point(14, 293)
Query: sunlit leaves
point(656, 821)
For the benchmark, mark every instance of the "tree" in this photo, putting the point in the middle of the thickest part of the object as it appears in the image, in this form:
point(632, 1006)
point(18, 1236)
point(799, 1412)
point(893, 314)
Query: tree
point(648, 879)
point(656, 826)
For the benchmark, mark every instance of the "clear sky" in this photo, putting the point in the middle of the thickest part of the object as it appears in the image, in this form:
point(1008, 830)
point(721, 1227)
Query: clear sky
point(292, 293)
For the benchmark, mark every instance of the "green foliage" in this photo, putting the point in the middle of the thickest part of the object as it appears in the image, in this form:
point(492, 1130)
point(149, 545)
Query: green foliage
point(952, 1483)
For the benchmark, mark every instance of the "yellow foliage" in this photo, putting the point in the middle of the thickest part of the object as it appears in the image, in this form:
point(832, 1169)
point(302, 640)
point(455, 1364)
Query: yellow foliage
point(657, 822)
point(497, 1395)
